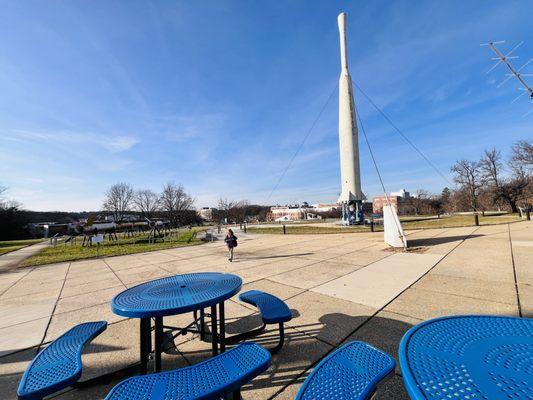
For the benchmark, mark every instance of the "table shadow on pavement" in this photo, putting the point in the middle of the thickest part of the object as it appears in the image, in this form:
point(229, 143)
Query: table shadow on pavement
point(301, 352)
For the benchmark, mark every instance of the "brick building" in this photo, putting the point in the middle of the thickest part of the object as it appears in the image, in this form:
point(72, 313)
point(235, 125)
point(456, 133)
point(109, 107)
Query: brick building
point(379, 201)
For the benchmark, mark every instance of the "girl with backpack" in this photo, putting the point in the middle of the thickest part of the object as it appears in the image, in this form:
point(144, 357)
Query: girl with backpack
point(231, 242)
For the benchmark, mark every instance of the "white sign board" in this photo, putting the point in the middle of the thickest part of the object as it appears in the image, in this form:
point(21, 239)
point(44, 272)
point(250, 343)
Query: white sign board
point(96, 239)
point(392, 228)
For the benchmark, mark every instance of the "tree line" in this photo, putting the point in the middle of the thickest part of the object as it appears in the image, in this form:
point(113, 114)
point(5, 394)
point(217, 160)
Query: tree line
point(172, 203)
point(488, 183)
point(492, 181)
point(238, 211)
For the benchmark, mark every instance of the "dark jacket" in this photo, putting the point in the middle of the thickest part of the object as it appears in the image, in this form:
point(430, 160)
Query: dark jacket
point(231, 241)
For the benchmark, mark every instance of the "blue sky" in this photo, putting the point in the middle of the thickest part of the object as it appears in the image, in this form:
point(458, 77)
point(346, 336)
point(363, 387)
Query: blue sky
point(218, 95)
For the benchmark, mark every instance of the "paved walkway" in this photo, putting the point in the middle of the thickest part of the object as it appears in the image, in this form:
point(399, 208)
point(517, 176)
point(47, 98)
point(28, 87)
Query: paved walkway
point(13, 258)
point(340, 287)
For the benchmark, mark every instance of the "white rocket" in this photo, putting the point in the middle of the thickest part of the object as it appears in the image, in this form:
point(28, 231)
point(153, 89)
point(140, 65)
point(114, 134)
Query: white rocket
point(348, 135)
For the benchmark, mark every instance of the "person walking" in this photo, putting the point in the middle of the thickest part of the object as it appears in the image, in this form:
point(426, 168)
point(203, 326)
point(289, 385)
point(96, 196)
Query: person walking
point(231, 242)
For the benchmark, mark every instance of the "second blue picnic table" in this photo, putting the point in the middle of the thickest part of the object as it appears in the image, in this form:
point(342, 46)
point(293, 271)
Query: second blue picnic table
point(469, 357)
point(175, 295)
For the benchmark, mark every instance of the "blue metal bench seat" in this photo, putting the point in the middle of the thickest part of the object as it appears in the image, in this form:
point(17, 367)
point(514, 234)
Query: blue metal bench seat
point(59, 364)
point(273, 311)
point(210, 379)
point(352, 372)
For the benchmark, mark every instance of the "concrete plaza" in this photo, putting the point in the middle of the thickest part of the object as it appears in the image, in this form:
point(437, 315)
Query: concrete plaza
point(341, 287)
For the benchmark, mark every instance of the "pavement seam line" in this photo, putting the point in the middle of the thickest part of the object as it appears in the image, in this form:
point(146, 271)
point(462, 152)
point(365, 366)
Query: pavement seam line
point(55, 306)
point(112, 270)
point(514, 273)
point(17, 281)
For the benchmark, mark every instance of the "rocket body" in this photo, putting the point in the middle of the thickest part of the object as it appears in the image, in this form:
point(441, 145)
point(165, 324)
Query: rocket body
point(348, 134)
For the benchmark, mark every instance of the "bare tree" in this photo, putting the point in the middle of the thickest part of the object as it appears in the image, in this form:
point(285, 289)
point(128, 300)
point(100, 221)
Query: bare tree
point(3, 201)
point(459, 200)
point(436, 205)
point(420, 197)
point(173, 201)
point(223, 210)
point(146, 202)
point(469, 176)
point(508, 190)
point(239, 212)
point(491, 166)
point(521, 161)
point(118, 200)
point(231, 210)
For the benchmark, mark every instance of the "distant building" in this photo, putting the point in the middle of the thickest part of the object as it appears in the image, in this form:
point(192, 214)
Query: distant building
point(320, 207)
point(49, 229)
point(397, 199)
point(206, 213)
point(124, 218)
point(379, 201)
point(404, 194)
point(291, 212)
point(297, 212)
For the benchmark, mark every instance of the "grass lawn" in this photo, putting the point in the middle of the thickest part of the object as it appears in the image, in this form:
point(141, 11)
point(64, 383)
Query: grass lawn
point(455, 221)
point(12, 245)
point(138, 244)
point(410, 222)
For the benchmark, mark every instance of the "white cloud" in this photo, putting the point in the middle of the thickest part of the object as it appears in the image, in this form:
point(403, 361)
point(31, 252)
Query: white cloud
point(114, 144)
point(120, 143)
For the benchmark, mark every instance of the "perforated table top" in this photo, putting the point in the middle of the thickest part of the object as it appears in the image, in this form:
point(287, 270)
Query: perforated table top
point(469, 357)
point(176, 295)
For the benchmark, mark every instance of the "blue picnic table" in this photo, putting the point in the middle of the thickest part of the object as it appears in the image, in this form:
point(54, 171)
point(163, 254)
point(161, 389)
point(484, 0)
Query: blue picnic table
point(469, 357)
point(175, 295)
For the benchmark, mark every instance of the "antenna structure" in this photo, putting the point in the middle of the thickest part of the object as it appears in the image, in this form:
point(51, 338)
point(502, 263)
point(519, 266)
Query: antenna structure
point(504, 58)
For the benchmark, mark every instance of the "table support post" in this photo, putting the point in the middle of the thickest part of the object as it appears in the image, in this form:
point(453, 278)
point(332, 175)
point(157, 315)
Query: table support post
point(145, 344)
point(222, 338)
point(202, 324)
point(214, 334)
point(158, 343)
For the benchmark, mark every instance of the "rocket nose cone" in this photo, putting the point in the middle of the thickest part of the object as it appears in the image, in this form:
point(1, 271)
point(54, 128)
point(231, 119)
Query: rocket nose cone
point(341, 18)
